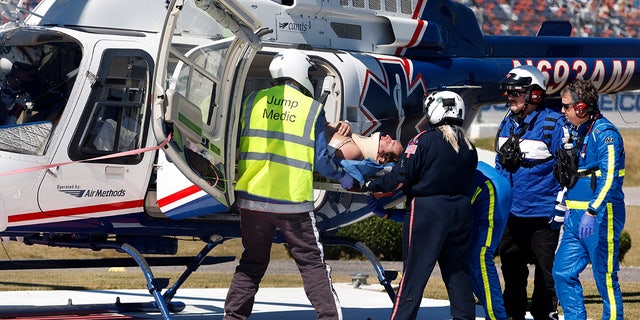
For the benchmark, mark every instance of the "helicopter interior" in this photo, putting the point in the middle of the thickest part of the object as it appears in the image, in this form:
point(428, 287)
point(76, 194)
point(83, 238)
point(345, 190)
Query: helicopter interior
point(36, 83)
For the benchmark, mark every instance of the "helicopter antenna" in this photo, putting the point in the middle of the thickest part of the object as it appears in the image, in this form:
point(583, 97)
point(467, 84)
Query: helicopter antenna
point(12, 13)
point(465, 86)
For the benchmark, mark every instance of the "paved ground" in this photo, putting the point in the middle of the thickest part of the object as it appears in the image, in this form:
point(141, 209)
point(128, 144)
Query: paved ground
point(271, 304)
point(365, 302)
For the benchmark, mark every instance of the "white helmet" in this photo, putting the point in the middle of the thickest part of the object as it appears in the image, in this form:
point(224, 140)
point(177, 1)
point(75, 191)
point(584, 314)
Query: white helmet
point(20, 57)
point(292, 64)
point(444, 105)
point(523, 77)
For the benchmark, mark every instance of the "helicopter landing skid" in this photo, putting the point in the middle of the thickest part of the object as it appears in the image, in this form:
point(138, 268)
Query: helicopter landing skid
point(161, 303)
point(384, 276)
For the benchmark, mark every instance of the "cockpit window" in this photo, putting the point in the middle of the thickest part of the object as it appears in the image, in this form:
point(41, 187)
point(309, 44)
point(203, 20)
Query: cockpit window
point(115, 113)
point(37, 72)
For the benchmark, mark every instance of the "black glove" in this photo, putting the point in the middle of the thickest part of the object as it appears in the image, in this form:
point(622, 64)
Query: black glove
point(396, 215)
point(376, 207)
point(556, 219)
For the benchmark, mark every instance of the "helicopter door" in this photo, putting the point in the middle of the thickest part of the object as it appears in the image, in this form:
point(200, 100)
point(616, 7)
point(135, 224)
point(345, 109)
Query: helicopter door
point(110, 174)
point(204, 58)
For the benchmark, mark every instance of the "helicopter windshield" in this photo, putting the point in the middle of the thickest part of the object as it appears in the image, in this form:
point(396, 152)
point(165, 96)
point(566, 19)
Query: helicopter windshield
point(38, 69)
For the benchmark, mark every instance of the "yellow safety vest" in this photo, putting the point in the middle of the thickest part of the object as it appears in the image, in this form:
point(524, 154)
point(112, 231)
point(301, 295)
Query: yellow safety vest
point(277, 145)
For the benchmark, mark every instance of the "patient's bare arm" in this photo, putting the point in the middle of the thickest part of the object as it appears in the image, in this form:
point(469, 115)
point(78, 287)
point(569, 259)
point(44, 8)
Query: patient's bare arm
point(342, 127)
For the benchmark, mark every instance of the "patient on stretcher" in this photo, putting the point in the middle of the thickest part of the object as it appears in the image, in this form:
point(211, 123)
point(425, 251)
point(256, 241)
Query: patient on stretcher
point(359, 155)
point(343, 144)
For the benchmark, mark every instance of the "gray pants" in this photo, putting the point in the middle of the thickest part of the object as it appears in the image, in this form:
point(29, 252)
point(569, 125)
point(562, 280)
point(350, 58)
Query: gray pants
point(301, 234)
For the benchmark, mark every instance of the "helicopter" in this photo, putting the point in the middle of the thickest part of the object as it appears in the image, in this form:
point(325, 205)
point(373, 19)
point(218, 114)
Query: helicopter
point(125, 136)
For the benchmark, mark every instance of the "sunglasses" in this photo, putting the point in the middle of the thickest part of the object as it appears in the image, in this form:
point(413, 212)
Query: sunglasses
point(514, 93)
point(567, 106)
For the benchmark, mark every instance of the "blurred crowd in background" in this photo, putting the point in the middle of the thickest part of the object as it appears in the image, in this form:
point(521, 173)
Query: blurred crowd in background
point(27, 4)
point(590, 18)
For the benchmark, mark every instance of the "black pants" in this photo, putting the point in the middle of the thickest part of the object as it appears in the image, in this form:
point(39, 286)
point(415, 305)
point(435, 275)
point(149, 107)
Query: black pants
point(437, 229)
point(525, 241)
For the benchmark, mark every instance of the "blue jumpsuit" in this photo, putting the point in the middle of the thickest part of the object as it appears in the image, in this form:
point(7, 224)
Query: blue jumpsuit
point(490, 202)
point(602, 152)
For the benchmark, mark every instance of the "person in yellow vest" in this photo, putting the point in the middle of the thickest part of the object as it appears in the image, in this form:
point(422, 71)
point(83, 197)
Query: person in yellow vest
point(282, 142)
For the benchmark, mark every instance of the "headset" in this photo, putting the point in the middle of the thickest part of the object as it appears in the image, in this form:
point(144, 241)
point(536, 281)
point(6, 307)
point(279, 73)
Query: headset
point(536, 96)
point(579, 107)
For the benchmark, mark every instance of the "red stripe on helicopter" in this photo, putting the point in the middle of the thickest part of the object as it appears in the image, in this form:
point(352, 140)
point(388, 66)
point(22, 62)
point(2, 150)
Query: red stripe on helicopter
point(417, 13)
point(178, 195)
point(415, 38)
point(76, 211)
point(417, 34)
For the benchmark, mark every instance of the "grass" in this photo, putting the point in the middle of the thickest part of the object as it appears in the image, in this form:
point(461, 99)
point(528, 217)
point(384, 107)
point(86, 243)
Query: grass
point(92, 279)
point(632, 150)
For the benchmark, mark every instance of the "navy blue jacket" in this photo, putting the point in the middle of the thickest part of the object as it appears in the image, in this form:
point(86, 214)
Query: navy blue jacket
point(431, 167)
point(534, 188)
